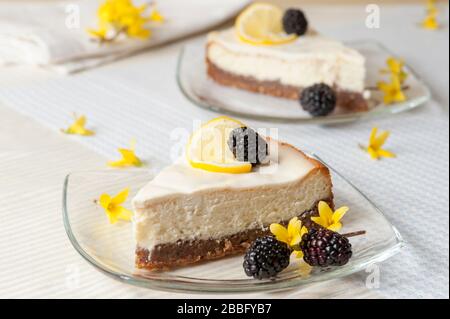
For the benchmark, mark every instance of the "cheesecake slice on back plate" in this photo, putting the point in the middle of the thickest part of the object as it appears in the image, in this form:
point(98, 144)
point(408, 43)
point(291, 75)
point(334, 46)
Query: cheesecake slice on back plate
point(284, 69)
point(187, 214)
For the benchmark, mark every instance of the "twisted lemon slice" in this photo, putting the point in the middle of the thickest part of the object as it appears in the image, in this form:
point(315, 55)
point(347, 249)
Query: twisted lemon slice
point(207, 148)
point(261, 24)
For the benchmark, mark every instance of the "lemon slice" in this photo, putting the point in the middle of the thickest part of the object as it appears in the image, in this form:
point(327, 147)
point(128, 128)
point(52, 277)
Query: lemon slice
point(261, 24)
point(208, 150)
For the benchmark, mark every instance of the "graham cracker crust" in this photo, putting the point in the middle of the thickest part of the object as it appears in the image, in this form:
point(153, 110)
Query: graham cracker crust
point(182, 253)
point(346, 100)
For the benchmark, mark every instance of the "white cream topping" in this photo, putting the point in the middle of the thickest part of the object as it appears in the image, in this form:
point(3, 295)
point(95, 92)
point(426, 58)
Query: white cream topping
point(182, 178)
point(308, 60)
point(185, 203)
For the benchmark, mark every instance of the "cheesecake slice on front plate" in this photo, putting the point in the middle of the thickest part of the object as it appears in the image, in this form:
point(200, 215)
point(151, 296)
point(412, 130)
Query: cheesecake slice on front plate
point(187, 214)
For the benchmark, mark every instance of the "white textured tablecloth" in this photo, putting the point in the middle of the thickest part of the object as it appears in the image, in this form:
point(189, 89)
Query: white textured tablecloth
point(139, 98)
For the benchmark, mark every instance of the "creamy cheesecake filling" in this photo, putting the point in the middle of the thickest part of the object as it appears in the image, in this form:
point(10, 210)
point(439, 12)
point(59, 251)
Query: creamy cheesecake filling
point(224, 213)
point(308, 60)
point(184, 204)
point(347, 101)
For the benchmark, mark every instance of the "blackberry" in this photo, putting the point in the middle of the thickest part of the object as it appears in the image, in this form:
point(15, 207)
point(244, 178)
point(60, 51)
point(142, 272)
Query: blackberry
point(318, 100)
point(323, 247)
point(247, 145)
point(266, 257)
point(294, 21)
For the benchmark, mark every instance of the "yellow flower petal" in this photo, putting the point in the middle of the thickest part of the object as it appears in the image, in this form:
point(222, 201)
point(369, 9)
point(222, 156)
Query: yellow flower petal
point(384, 153)
point(395, 68)
point(137, 31)
point(395, 82)
point(294, 227)
point(130, 157)
point(118, 163)
point(113, 218)
point(296, 239)
point(303, 231)
point(83, 132)
point(388, 99)
point(373, 153)
point(120, 197)
point(392, 91)
point(380, 140)
point(124, 214)
point(325, 211)
point(319, 220)
point(399, 96)
point(430, 22)
point(394, 65)
point(81, 121)
point(339, 213)
point(335, 226)
point(105, 200)
point(383, 86)
point(280, 233)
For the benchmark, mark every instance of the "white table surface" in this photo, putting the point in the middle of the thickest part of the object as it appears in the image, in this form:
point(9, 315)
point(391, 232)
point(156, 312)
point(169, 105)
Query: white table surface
point(138, 97)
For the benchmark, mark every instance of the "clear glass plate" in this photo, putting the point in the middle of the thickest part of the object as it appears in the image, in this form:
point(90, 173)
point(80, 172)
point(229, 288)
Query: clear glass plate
point(204, 92)
point(110, 248)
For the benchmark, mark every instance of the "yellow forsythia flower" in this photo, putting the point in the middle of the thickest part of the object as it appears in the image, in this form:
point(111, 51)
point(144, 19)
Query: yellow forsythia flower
point(116, 17)
point(375, 145)
point(113, 206)
point(129, 158)
point(430, 22)
point(78, 127)
point(392, 91)
point(396, 68)
point(292, 235)
point(329, 219)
